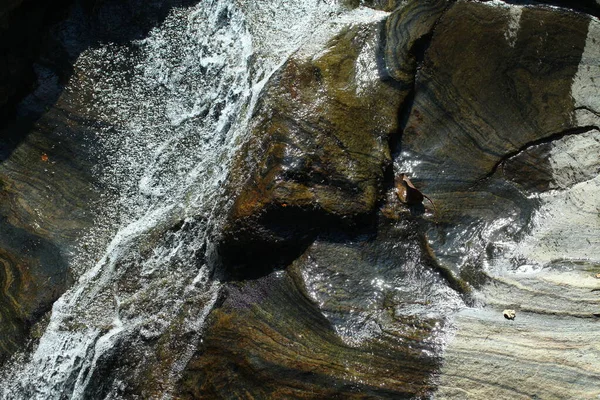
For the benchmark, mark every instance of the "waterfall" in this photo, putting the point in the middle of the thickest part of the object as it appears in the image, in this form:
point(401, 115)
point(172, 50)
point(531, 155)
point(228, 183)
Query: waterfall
point(170, 110)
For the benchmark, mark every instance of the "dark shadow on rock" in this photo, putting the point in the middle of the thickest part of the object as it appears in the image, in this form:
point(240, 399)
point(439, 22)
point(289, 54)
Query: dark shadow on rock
point(591, 7)
point(33, 274)
point(283, 235)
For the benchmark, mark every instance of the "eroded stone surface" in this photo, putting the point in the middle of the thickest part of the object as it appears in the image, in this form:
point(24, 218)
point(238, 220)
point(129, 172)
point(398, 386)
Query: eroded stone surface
point(408, 30)
point(501, 142)
point(45, 198)
point(507, 148)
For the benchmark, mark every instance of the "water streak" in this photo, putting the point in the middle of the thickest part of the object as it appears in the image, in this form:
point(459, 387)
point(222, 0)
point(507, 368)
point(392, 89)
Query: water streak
point(170, 110)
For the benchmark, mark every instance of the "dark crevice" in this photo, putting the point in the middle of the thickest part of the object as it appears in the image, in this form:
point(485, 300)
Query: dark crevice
point(419, 51)
point(421, 45)
point(548, 139)
point(588, 109)
point(403, 116)
point(248, 254)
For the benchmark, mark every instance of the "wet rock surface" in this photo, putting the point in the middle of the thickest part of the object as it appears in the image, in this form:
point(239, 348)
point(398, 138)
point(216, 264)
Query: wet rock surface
point(476, 122)
point(498, 145)
point(45, 200)
point(46, 194)
point(492, 117)
point(49, 163)
point(335, 285)
point(534, 356)
point(318, 149)
point(269, 340)
point(32, 276)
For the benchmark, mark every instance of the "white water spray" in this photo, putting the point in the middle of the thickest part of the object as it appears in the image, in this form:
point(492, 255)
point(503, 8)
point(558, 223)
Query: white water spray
point(171, 110)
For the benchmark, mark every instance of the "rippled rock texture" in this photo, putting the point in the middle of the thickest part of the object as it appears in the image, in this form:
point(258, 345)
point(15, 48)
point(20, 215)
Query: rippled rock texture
point(268, 340)
point(360, 311)
point(503, 136)
point(45, 182)
point(496, 116)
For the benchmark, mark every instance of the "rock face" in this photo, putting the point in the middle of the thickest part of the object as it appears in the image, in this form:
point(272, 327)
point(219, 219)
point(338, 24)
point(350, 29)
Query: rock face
point(334, 285)
point(516, 96)
point(407, 31)
point(45, 199)
point(318, 148)
point(501, 131)
point(498, 142)
point(532, 356)
point(475, 117)
point(33, 274)
point(268, 340)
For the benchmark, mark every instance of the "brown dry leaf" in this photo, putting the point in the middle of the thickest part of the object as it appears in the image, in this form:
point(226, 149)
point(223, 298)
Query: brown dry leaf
point(408, 193)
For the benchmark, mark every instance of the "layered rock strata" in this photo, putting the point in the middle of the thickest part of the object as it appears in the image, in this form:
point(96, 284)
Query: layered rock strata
point(501, 140)
point(490, 109)
point(365, 299)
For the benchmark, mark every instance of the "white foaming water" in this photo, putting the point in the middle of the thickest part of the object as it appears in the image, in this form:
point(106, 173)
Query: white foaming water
point(513, 25)
point(172, 109)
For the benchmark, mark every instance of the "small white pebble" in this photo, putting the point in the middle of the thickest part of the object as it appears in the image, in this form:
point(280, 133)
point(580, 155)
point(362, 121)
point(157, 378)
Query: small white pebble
point(509, 314)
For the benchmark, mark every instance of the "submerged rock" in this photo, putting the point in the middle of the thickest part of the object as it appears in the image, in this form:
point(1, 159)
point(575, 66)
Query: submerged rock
point(46, 194)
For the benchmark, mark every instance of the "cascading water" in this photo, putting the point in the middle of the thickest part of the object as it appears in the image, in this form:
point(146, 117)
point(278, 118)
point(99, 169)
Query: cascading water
point(172, 109)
